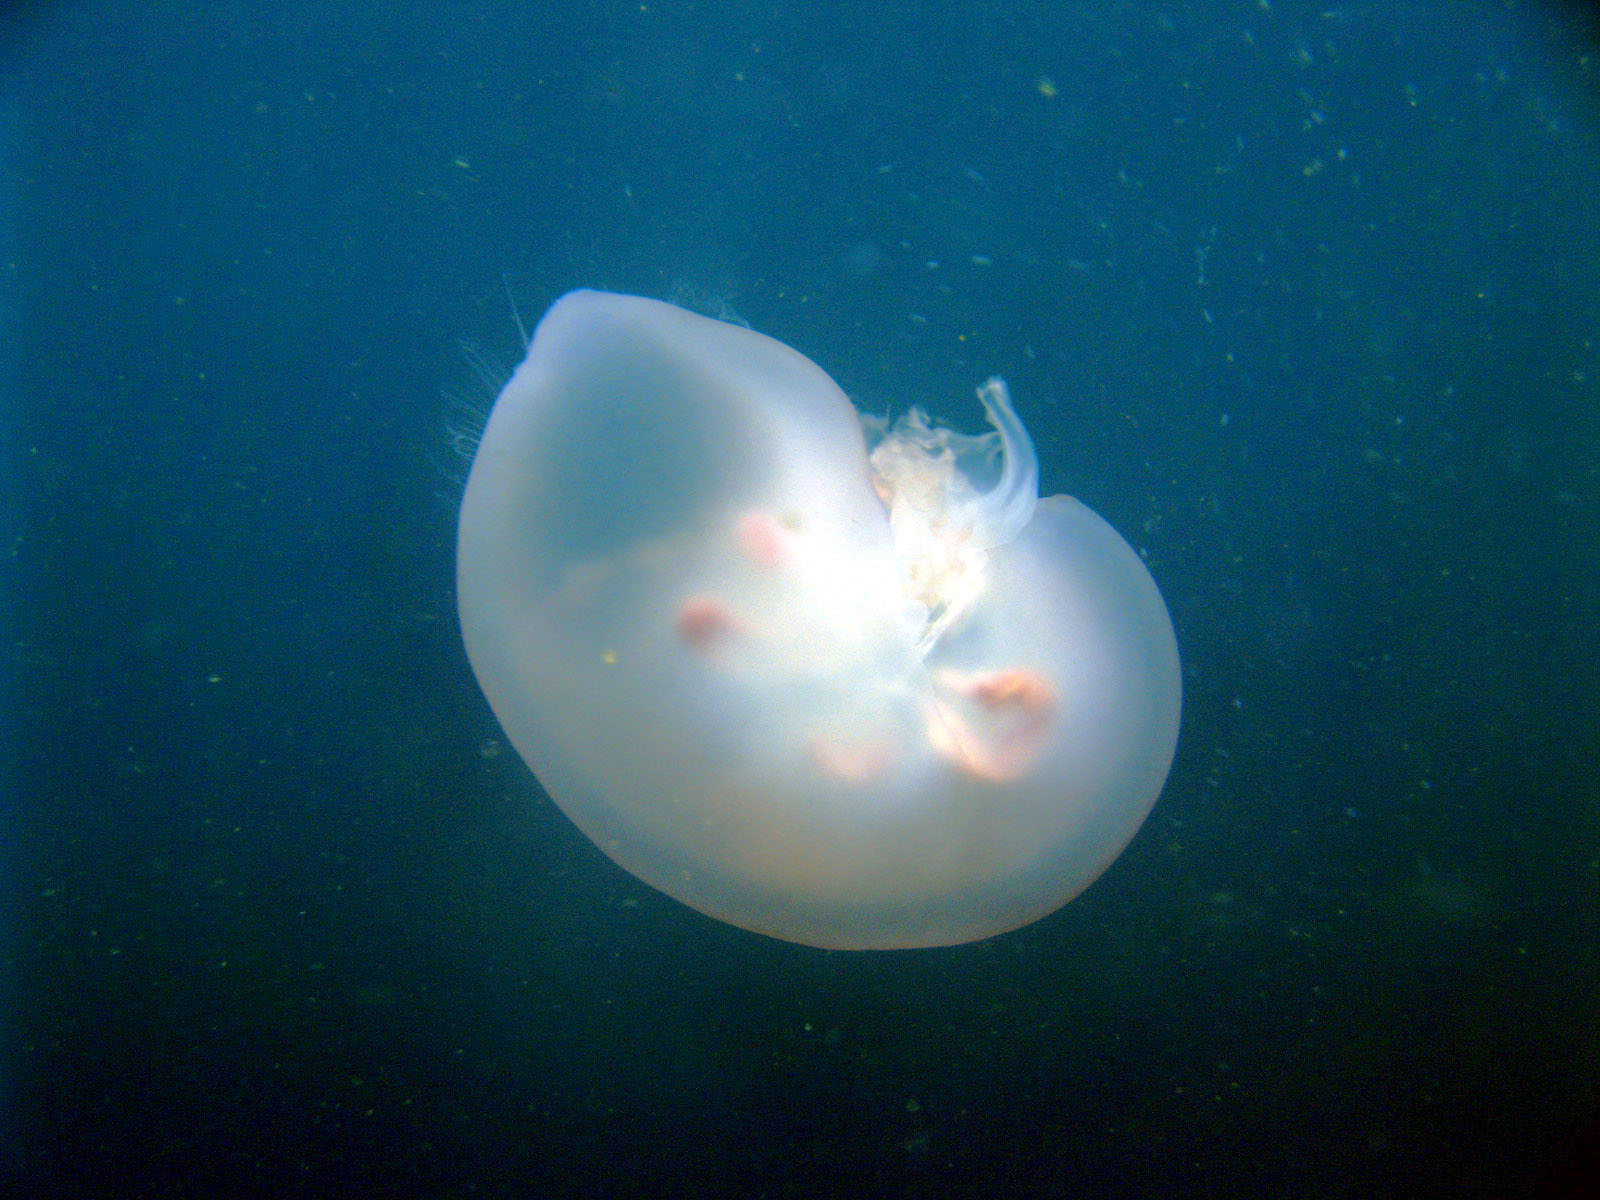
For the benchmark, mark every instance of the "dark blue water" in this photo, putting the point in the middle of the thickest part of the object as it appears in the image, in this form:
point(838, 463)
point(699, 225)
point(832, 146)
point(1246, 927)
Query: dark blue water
point(1304, 299)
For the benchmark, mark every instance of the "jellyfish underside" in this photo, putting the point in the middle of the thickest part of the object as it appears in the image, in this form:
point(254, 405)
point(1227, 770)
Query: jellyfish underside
point(840, 682)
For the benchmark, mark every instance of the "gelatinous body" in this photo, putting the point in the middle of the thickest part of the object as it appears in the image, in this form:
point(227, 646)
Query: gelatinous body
point(842, 683)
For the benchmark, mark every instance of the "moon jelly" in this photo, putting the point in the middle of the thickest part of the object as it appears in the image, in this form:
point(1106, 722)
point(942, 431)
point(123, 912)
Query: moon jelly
point(841, 682)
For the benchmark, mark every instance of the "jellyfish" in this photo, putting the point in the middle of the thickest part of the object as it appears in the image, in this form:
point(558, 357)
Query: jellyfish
point(839, 681)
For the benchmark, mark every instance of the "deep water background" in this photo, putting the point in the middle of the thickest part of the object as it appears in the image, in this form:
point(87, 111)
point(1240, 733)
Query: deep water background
point(1305, 300)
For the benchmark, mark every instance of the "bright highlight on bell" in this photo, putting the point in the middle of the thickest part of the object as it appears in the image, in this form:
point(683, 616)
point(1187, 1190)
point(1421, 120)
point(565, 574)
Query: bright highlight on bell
point(846, 684)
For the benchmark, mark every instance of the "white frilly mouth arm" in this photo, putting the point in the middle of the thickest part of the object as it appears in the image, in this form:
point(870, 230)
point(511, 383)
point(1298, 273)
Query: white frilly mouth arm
point(1008, 506)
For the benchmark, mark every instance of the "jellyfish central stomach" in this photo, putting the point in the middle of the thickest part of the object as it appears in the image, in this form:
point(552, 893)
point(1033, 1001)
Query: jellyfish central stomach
point(851, 632)
point(853, 624)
